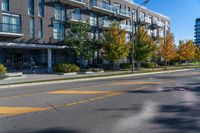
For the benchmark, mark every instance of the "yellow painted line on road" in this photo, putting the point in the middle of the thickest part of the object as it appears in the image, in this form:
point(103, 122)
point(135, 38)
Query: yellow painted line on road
point(12, 111)
point(84, 92)
point(38, 93)
point(96, 98)
point(136, 83)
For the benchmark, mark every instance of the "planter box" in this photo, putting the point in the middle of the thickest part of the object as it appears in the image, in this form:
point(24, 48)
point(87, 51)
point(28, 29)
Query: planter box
point(16, 74)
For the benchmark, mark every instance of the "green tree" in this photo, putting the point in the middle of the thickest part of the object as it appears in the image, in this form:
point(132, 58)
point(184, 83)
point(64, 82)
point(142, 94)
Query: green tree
point(79, 42)
point(168, 48)
point(115, 46)
point(144, 45)
point(197, 55)
point(186, 51)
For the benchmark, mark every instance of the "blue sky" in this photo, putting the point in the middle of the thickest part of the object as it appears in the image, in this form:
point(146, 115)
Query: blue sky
point(182, 13)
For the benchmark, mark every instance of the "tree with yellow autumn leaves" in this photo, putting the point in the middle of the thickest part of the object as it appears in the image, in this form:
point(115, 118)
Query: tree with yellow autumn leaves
point(168, 48)
point(115, 46)
point(186, 50)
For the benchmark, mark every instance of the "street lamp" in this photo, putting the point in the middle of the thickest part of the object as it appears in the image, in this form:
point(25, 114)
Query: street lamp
point(133, 36)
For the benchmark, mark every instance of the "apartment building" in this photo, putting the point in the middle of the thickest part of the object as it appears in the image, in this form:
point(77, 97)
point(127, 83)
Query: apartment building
point(32, 31)
point(197, 31)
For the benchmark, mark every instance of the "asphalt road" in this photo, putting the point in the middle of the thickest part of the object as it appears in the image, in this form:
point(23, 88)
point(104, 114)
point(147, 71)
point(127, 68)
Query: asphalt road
point(162, 103)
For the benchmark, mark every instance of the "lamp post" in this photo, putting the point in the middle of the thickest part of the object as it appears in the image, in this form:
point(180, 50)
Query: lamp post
point(135, 26)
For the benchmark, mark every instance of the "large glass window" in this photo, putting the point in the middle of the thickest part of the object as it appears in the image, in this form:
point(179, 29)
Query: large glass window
point(32, 27)
point(142, 16)
point(5, 5)
point(77, 14)
point(58, 30)
point(31, 7)
point(40, 28)
point(93, 19)
point(41, 8)
point(60, 12)
point(11, 23)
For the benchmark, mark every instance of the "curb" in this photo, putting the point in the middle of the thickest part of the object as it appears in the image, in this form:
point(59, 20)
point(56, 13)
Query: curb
point(87, 79)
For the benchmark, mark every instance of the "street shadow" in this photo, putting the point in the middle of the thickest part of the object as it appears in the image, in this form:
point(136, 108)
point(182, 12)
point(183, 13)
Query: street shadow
point(180, 118)
point(51, 130)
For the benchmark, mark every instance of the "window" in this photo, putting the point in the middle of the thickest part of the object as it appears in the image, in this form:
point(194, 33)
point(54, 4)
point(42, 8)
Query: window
point(58, 30)
point(77, 14)
point(93, 19)
point(40, 28)
point(60, 12)
point(142, 16)
point(11, 23)
point(117, 6)
point(5, 5)
point(31, 7)
point(134, 15)
point(32, 27)
point(41, 8)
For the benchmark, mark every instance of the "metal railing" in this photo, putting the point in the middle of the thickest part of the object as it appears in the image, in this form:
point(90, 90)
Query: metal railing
point(126, 27)
point(102, 5)
point(123, 12)
point(10, 28)
point(104, 22)
point(77, 17)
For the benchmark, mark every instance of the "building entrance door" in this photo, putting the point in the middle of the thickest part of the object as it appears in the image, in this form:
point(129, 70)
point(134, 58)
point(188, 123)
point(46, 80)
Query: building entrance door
point(18, 61)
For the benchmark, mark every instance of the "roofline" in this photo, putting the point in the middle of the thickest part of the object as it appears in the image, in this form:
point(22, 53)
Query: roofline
point(135, 4)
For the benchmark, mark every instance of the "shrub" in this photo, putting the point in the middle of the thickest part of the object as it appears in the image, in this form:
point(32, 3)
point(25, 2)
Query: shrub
point(150, 65)
point(126, 66)
point(66, 68)
point(3, 69)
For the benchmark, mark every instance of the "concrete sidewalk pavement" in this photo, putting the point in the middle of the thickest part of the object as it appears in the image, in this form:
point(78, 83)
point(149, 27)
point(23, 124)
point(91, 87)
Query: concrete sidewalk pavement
point(41, 79)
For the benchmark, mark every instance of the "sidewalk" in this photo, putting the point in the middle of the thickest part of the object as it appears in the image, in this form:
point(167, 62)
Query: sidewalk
point(45, 77)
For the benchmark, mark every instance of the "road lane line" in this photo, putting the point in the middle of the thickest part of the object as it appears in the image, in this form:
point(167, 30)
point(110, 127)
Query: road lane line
point(83, 92)
point(13, 111)
point(137, 83)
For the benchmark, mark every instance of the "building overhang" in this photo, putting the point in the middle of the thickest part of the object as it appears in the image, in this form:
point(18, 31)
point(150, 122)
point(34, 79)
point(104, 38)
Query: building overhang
point(6, 34)
point(30, 46)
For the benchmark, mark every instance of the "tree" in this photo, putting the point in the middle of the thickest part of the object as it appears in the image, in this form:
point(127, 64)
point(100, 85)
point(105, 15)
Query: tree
point(144, 46)
point(197, 55)
point(78, 40)
point(168, 48)
point(114, 43)
point(186, 51)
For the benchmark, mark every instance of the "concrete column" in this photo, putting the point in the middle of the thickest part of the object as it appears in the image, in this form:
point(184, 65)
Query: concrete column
point(49, 60)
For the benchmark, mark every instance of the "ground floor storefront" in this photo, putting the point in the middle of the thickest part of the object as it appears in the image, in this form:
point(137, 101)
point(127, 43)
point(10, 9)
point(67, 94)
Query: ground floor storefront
point(21, 58)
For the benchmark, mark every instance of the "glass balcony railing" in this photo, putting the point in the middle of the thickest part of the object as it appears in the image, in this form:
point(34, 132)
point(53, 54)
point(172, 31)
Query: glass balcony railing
point(104, 23)
point(123, 12)
point(126, 27)
point(10, 28)
point(77, 17)
point(101, 5)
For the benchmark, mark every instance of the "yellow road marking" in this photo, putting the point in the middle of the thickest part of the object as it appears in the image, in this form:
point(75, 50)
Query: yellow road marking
point(136, 83)
point(38, 93)
point(12, 111)
point(84, 92)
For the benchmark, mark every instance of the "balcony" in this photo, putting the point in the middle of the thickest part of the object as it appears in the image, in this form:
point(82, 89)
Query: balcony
point(123, 14)
point(157, 25)
point(74, 17)
point(104, 24)
point(145, 21)
point(75, 3)
point(125, 27)
point(10, 30)
point(101, 7)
